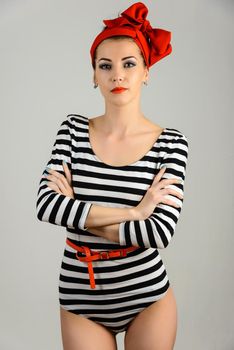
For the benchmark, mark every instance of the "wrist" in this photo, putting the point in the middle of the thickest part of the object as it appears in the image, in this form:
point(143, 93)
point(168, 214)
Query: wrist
point(135, 214)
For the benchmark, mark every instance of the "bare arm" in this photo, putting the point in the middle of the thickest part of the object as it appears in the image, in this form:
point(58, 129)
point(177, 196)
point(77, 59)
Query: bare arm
point(110, 232)
point(97, 217)
point(102, 216)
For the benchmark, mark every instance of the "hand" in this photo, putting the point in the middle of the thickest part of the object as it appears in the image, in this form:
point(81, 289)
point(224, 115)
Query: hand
point(98, 231)
point(60, 183)
point(156, 194)
point(109, 232)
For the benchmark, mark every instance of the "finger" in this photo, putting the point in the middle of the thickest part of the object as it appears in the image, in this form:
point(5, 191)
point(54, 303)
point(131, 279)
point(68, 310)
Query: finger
point(59, 188)
point(67, 173)
point(59, 182)
point(159, 175)
point(166, 182)
point(54, 187)
point(170, 202)
point(167, 191)
point(60, 177)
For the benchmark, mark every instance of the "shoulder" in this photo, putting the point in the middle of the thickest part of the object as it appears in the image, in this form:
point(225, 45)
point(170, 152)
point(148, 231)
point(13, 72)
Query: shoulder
point(76, 119)
point(175, 142)
point(175, 136)
point(72, 124)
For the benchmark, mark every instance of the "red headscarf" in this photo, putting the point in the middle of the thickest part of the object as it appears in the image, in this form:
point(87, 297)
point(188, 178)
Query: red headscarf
point(153, 42)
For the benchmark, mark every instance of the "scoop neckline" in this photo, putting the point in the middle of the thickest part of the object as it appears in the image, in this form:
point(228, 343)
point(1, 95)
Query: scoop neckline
point(127, 165)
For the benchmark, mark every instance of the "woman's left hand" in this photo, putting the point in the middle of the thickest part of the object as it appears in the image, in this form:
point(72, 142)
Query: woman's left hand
point(59, 182)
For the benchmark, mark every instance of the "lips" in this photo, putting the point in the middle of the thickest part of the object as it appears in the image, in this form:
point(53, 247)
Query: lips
point(118, 89)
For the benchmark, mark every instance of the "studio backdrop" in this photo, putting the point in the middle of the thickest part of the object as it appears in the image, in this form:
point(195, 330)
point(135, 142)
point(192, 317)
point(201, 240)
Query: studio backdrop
point(46, 74)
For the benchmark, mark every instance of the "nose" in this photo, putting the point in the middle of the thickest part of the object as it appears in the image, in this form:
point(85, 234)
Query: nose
point(117, 75)
point(117, 78)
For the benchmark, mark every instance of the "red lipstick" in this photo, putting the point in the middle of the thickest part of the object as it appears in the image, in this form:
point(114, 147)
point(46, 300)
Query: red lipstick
point(118, 90)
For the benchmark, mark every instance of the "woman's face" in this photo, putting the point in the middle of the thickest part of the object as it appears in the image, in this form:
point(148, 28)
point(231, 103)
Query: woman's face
point(114, 69)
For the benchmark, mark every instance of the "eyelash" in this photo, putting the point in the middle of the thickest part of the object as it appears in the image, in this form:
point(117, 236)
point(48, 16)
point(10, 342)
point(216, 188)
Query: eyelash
point(106, 64)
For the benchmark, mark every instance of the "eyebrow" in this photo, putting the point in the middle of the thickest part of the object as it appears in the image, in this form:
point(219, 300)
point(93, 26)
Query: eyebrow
point(107, 59)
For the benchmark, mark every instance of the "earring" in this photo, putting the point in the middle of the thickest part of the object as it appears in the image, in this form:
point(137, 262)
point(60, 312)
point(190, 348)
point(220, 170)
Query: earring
point(145, 82)
point(95, 85)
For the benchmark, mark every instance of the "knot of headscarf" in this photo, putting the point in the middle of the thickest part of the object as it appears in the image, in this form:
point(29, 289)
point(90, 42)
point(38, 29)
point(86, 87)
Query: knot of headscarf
point(154, 42)
point(135, 16)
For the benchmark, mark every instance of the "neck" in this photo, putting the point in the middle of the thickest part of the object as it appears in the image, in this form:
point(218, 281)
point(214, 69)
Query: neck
point(122, 120)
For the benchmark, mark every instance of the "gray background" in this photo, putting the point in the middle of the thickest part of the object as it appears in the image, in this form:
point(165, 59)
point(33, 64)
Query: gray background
point(46, 74)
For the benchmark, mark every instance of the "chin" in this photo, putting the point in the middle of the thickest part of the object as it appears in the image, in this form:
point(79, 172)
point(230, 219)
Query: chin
point(120, 102)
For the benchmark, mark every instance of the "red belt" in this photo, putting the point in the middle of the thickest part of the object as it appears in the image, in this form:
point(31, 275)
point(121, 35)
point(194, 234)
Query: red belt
point(95, 255)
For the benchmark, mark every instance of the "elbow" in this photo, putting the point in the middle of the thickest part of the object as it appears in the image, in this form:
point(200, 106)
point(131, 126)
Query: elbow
point(39, 217)
point(162, 245)
point(160, 232)
point(165, 240)
point(40, 208)
point(43, 201)
point(165, 244)
point(38, 214)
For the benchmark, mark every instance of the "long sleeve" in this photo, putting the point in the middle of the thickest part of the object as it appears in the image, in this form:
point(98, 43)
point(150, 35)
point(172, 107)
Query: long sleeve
point(157, 230)
point(51, 206)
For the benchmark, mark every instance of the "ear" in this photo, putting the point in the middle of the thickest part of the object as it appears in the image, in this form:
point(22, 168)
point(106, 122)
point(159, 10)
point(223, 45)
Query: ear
point(94, 79)
point(146, 76)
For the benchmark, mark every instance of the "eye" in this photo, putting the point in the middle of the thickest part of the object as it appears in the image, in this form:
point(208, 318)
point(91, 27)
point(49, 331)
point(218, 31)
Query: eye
point(133, 64)
point(102, 66)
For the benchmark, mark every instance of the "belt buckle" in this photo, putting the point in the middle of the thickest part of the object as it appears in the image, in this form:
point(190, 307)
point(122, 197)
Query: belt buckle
point(123, 253)
point(104, 255)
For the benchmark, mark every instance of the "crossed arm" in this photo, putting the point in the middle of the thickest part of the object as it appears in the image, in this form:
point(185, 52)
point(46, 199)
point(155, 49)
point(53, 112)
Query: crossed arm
point(101, 221)
point(125, 226)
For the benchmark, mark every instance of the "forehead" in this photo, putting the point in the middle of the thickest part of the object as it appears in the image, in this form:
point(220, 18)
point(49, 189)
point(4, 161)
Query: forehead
point(118, 47)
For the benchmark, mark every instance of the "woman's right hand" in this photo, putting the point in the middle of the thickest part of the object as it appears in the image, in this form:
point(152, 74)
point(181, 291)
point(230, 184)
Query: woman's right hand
point(60, 183)
point(156, 194)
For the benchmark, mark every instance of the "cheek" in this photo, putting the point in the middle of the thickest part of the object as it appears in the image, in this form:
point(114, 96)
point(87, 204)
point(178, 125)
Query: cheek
point(136, 82)
point(104, 81)
point(136, 77)
point(104, 89)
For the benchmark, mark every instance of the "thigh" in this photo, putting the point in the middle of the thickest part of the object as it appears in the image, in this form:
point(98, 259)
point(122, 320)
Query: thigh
point(155, 327)
point(80, 333)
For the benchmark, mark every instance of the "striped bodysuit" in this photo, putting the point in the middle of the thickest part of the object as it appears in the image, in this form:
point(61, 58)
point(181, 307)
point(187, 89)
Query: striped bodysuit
point(126, 285)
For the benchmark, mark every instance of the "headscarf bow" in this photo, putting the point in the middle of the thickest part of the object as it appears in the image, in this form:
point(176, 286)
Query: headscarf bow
point(153, 42)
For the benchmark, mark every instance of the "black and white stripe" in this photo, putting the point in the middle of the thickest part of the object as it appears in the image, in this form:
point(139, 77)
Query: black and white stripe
point(124, 286)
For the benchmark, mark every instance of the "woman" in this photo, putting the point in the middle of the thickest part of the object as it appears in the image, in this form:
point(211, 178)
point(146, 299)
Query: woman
point(116, 183)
